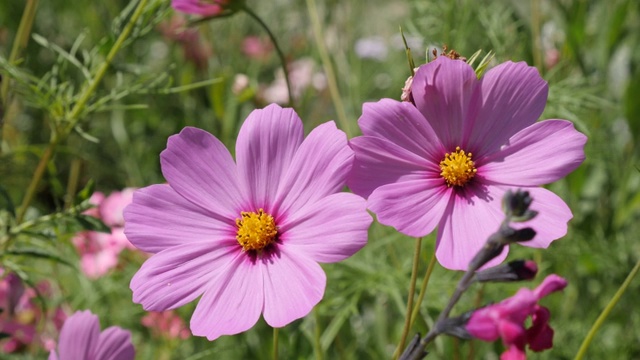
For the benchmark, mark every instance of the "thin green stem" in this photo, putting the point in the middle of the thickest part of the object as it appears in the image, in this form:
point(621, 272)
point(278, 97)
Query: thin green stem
point(74, 116)
point(327, 65)
point(423, 288)
point(274, 41)
point(412, 290)
point(275, 343)
point(21, 40)
point(603, 316)
point(317, 347)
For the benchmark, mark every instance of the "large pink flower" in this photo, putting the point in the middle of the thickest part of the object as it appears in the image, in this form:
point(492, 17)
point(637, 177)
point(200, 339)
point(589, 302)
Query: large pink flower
point(80, 338)
point(447, 160)
point(506, 320)
point(248, 236)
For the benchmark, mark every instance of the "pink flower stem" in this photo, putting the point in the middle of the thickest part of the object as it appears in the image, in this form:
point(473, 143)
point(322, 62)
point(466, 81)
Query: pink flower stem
point(274, 41)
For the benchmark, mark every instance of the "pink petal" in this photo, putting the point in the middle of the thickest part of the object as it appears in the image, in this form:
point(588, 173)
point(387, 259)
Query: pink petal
point(115, 344)
point(293, 285)
point(329, 230)
point(551, 283)
point(514, 353)
point(178, 275)
point(540, 154)
point(233, 300)
point(79, 336)
point(160, 218)
point(511, 333)
point(482, 324)
point(402, 124)
point(319, 168)
point(512, 97)
point(551, 222)
point(265, 148)
point(97, 264)
point(379, 162)
point(473, 215)
point(111, 208)
point(443, 91)
point(412, 207)
point(198, 7)
point(199, 167)
point(540, 334)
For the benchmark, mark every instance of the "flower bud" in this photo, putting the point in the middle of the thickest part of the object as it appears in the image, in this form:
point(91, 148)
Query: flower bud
point(513, 271)
point(516, 206)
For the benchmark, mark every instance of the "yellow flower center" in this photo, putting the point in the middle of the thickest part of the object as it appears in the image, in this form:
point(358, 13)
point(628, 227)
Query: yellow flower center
point(256, 230)
point(457, 168)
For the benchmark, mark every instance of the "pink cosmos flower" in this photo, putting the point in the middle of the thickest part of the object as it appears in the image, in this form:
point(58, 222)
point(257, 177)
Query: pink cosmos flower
point(99, 251)
point(21, 318)
point(200, 7)
point(506, 320)
point(246, 235)
point(447, 160)
point(80, 338)
point(166, 324)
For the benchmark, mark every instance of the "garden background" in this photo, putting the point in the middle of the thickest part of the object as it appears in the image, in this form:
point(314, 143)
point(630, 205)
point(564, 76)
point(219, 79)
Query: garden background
point(163, 80)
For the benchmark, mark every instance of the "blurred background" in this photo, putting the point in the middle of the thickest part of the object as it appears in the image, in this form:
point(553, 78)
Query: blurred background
point(588, 51)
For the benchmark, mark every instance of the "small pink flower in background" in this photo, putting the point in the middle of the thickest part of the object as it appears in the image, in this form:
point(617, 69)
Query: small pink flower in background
point(22, 319)
point(201, 7)
point(99, 251)
point(166, 324)
point(194, 49)
point(257, 48)
point(80, 339)
point(246, 236)
point(302, 74)
point(447, 160)
point(506, 320)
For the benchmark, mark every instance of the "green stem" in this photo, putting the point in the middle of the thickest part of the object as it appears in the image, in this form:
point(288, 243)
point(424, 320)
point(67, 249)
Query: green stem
point(412, 290)
point(74, 115)
point(423, 288)
point(603, 316)
point(327, 65)
point(21, 40)
point(274, 41)
point(317, 347)
point(275, 343)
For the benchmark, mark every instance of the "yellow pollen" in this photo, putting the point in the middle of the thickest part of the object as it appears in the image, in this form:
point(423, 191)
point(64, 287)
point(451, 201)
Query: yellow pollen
point(256, 230)
point(457, 168)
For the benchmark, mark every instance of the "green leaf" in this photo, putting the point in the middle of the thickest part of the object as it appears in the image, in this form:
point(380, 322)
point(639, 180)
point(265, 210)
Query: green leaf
point(39, 253)
point(86, 192)
point(91, 223)
point(6, 202)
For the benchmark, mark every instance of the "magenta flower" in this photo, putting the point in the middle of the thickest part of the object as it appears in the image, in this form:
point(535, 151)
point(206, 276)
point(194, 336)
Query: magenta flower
point(506, 320)
point(248, 236)
point(80, 338)
point(201, 7)
point(447, 160)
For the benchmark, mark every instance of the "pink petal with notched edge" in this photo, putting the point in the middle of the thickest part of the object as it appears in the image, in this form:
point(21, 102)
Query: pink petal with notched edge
point(413, 207)
point(266, 145)
point(79, 336)
point(233, 300)
point(513, 96)
point(474, 213)
point(160, 218)
point(200, 168)
point(179, 274)
point(402, 124)
point(379, 162)
point(319, 168)
point(293, 285)
point(115, 344)
point(443, 92)
point(540, 154)
point(329, 230)
point(551, 222)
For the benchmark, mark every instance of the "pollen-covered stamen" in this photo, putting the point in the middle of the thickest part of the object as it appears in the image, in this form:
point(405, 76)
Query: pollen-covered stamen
point(457, 168)
point(256, 230)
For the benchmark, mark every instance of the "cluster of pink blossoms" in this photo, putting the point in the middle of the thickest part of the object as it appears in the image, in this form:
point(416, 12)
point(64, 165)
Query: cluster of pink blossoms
point(166, 324)
point(99, 251)
point(20, 317)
